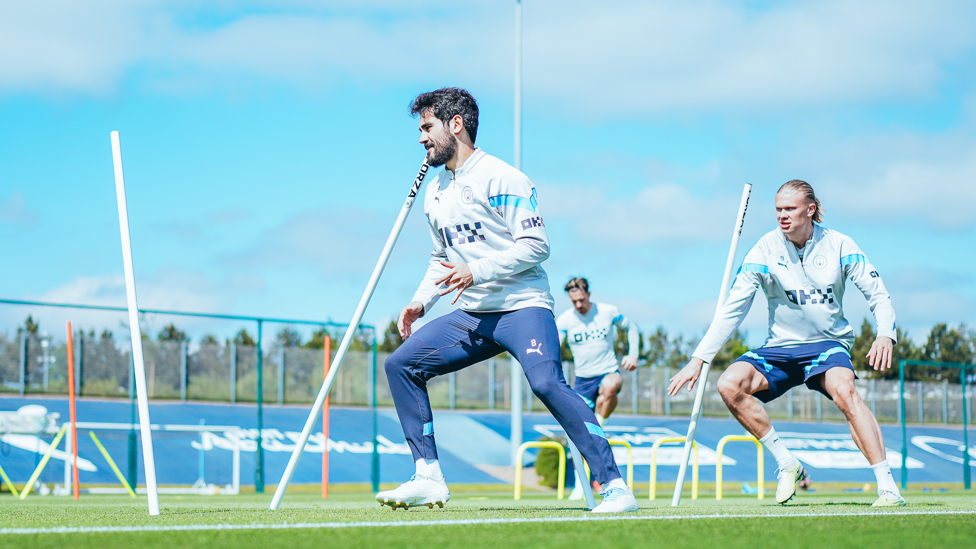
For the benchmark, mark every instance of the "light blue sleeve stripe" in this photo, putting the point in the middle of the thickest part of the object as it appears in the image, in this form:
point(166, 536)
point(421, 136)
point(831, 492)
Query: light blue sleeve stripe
point(595, 430)
point(753, 268)
point(515, 201)
point(853, 258)
point(617, 319)
point(428, 429)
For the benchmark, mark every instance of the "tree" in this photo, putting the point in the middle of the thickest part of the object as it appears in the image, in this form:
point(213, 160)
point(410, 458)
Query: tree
point(171, 333)
point(391, 338)
point(664, 351)
point(946, 344)
point(244, 338)
point(288, 337)
point(318, 339)
point(733, 349)
point(30, 326)
point(209, 339)
point(621, 347)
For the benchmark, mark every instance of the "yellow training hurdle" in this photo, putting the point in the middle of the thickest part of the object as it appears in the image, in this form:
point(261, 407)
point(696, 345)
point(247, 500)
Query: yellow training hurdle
point(560, 481)
point(630, 461)
point(718, 464)
point(694, 471)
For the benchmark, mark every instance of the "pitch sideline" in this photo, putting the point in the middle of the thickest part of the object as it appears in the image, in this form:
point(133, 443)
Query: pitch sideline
point(459, 522)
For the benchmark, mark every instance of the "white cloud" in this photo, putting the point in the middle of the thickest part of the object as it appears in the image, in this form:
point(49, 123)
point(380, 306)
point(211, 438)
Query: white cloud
point(658, 213)
point(14, 211)
point(609, 58)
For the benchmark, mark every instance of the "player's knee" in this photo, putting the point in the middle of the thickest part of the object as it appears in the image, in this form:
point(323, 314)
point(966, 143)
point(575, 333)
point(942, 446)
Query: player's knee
point(845, 396)
point(395, 365)
point(541, 384)
point(610, 388)
point(730, 385)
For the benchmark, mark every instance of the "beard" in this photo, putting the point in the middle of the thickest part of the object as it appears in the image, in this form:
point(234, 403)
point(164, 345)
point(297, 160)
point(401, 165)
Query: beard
point(441, 151)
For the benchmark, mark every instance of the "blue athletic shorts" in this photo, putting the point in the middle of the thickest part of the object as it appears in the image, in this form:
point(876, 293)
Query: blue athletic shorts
point(787, 367)
point(589, 388)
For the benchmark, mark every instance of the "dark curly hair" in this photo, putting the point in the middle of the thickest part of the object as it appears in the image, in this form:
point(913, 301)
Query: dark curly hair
point(445, 104)
point(577, 283)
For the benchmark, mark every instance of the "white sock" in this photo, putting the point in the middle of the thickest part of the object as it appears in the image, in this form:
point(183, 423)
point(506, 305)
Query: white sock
point(615, 483)
point(600, 419)
point(430, 468)
point(784, 459)
point(886, 482)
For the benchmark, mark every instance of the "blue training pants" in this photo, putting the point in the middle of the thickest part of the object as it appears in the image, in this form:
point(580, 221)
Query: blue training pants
point(458, 340)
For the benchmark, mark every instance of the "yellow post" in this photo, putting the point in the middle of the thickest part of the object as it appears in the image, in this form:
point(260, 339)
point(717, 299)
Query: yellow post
point(560, 481)
point(630, 460)
point(694, 470)
point(44, 460)
point(718, 465)
point(108, 458)
point(6, 479)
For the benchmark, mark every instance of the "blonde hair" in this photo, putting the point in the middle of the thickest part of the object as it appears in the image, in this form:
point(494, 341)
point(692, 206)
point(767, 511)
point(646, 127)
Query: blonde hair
point(804, 188)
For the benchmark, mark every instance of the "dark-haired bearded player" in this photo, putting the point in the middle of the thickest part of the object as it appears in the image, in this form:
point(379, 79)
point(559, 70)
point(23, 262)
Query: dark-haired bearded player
point(489, 240)
point(803, 269)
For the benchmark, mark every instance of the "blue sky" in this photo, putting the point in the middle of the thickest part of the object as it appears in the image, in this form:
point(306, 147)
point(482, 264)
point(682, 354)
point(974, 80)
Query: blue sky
point(267, 147)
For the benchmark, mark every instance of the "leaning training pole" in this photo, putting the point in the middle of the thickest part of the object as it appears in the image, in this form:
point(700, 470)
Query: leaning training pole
point(703, 377)
point(135, 332)
point(347, 338)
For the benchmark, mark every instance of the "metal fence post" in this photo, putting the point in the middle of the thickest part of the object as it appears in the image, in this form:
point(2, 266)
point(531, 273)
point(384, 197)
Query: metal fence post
point(183, 351)
point(233, 372)
point(945, 401)
point(966, 473)
point(281, 376)
point(451, 389)
point(904, 429)
point(259, 455)
point(819, 408)
point(635, 391)
point(81, 363)
point(375, 468)
point(667, 397)
point(874, 397)
point(921, 398)
point(789, 403)
point(491, 383)
point(23, 361)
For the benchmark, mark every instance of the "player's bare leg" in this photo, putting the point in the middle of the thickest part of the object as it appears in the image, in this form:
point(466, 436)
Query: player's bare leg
point(606, 402)
point(737, 385)
point(839, 384)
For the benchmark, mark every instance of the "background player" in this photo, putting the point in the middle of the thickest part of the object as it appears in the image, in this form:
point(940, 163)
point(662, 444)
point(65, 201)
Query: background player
point(803, 269)
point(489, 239)
point(590, 330)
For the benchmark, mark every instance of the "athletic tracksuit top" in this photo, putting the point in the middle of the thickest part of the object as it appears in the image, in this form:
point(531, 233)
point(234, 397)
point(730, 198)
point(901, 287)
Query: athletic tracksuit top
point(805, 290)
point(486, 214)
point(591, 338)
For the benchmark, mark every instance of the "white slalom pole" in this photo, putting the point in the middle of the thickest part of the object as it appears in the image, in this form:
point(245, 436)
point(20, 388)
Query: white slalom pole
point(313, 416)
point(135, 332)
point(723, 294)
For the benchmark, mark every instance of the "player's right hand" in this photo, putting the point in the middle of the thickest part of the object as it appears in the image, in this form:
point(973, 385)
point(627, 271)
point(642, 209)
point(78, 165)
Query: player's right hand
point(689, 374)
point(408, 316)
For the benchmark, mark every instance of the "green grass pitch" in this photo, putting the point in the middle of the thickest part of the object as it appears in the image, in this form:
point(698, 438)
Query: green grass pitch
point(486, 519)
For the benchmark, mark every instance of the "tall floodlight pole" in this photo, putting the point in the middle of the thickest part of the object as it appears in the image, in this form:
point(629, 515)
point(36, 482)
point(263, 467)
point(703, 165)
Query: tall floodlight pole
point(515, 393)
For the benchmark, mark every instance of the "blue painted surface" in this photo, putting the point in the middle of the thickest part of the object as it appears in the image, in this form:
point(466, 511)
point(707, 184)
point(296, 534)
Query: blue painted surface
point(465, 439)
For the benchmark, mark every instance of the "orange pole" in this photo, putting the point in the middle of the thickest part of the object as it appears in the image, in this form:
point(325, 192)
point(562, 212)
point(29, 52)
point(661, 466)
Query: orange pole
point(325, 425)
point(71, 408)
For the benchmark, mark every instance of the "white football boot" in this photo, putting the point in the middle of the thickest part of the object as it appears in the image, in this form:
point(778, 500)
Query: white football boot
point(788, 478)
point(577, 493)
point(889, 499)
point(419, 490)
point(617, 500)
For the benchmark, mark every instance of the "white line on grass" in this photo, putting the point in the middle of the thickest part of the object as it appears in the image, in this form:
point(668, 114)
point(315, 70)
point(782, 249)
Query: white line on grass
point(457, 522)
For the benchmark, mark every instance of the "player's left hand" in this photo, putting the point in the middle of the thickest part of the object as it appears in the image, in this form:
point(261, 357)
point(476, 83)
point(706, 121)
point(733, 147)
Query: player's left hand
point(458, 278)
point(879, 357)
point(629, 362)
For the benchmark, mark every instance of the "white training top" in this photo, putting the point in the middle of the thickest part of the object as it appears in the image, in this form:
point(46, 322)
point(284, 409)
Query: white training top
point(805, 290)
point(591, 338)
point(486, 214)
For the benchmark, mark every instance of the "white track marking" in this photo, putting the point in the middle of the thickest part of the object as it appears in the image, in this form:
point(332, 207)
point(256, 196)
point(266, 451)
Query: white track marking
point(458, 522)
